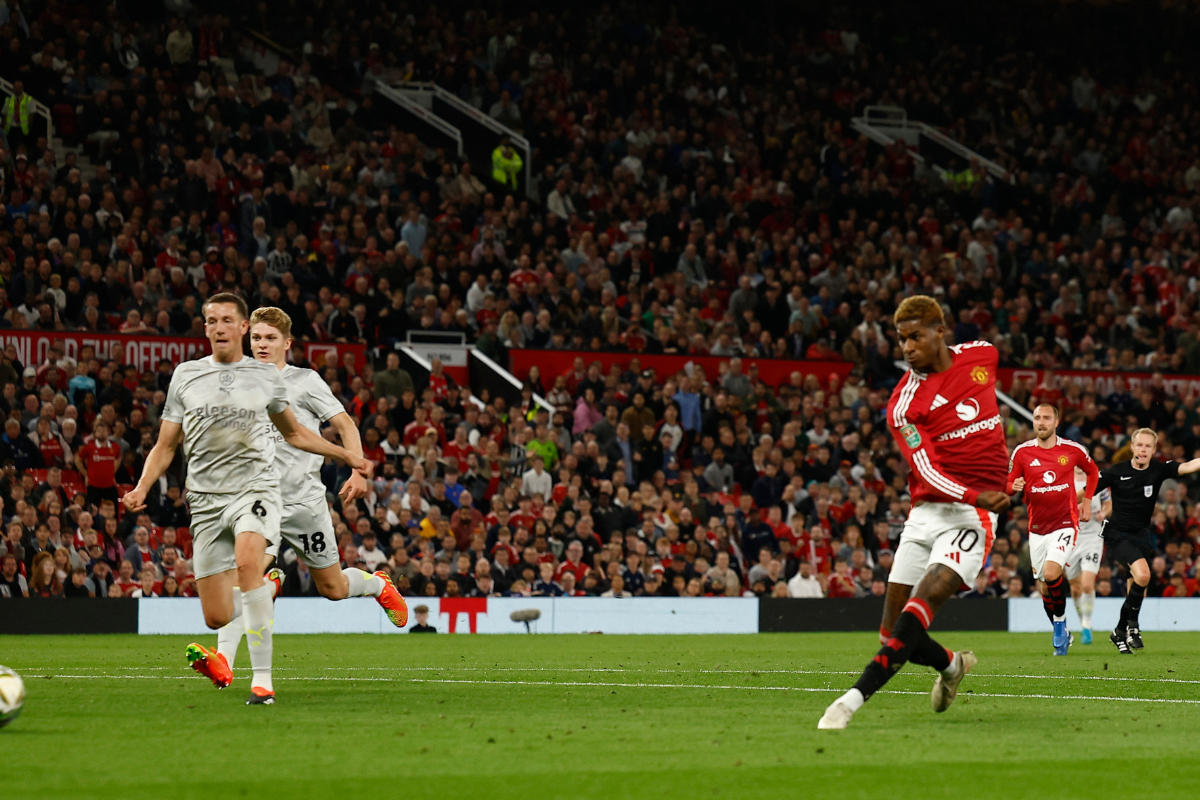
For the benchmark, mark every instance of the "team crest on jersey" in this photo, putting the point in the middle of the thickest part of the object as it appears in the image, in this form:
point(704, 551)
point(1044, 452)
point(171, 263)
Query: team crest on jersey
point(979, 375)
point(912, 437)
point(1149, 490)
point(1062, 460)
point(226, 379)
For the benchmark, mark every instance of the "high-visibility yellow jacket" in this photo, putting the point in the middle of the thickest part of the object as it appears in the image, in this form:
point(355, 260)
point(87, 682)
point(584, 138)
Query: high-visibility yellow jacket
point(505, 169)
point(18, 112)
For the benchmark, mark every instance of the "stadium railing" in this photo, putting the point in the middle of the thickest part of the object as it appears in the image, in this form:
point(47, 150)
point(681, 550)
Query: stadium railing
point(481, 133)
point(39, 109)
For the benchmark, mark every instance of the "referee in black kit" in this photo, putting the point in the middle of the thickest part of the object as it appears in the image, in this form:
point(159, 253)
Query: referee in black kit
point(1135, 484)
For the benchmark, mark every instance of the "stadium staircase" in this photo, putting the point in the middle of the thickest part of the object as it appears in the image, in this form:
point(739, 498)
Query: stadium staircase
point(931, 149)
point(444, 119)
point(463, 363)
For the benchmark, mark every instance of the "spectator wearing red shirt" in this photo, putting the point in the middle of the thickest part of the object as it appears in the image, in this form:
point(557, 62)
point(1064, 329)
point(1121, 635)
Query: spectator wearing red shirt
point(126, 581)
point(573, 564)
point(459, 448)
point(439, 382)
point(97, 462)
point(841, 582)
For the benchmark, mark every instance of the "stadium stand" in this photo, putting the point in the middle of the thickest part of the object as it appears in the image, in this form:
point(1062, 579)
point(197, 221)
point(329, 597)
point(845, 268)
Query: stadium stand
point(685, 238)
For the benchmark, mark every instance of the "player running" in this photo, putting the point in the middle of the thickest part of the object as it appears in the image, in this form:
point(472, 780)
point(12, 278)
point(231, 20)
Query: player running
point(1085, 559)
point(217, 407)
point(306, 524)
point(1044, 468)
point(1135, 485)
point(943, 415)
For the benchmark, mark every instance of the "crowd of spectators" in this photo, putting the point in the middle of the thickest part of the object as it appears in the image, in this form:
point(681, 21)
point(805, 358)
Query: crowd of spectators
point(696, 195)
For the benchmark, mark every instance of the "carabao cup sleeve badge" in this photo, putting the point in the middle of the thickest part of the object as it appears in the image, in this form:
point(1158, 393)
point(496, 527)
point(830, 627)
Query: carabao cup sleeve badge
point(912, 437)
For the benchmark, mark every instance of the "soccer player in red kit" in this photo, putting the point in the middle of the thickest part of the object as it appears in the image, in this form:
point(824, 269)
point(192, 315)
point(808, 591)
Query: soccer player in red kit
point(944, 417)
point(1044, 467)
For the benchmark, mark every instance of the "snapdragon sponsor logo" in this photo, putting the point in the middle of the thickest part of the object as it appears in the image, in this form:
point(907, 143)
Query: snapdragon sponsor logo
point(1062, 487)
point(975, 427)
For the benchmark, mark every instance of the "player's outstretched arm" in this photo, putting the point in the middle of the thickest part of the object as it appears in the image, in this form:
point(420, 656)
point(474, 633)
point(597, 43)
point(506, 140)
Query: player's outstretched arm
point(1188, 467)
point(161, 456)
point(302, 438)
point(356, 485)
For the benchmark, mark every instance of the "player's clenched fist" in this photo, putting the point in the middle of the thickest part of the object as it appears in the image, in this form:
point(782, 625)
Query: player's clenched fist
point(135, 500)
point(1018, 485)
point(996, 502)
point(355, 487)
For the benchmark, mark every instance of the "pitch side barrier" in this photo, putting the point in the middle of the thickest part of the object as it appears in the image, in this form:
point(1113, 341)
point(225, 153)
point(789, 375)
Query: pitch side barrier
point(648, 615)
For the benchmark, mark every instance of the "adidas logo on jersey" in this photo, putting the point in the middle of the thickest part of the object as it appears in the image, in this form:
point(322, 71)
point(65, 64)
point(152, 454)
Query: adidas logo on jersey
point(938, 402)
point(1035, 463)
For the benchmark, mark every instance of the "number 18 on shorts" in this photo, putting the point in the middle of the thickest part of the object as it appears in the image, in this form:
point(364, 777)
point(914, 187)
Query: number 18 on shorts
point(308, 529)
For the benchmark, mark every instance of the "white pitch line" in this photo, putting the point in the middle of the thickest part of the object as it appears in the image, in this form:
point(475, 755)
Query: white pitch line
point(603, 684)
point(639, 670)
point(794, 689)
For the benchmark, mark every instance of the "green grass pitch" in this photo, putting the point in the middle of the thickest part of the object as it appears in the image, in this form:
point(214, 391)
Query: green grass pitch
point(546, 717)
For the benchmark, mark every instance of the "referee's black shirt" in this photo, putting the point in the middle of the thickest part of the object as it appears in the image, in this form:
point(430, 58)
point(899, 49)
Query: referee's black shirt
point(1134, 493)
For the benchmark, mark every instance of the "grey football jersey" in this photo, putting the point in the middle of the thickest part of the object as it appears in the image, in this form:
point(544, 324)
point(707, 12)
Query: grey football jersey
point(1093, 526)
point(222, 408)
point(313, 403)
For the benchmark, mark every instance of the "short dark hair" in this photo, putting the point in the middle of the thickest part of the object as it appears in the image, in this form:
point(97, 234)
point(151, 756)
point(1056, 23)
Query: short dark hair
point(1052, 407)
point(227, 297)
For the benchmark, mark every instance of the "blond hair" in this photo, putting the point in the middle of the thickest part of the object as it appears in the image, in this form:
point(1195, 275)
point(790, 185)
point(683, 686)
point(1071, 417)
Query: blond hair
point(277, 318)
point(1151, 433)
point(919, 308)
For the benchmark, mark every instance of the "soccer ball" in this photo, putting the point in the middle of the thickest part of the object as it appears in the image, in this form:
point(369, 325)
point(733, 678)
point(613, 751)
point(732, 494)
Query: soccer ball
point(12, 695)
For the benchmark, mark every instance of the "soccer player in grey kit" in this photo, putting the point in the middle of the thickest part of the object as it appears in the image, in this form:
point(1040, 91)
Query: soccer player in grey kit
point(218, 407)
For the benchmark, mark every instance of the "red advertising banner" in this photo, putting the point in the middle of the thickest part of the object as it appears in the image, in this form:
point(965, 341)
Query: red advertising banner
point(145, 352)
point(773, 371)
point(777, 371)
point(1101, 382)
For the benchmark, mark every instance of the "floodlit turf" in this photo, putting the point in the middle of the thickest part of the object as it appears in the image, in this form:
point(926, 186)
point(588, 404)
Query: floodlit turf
point(547, 717)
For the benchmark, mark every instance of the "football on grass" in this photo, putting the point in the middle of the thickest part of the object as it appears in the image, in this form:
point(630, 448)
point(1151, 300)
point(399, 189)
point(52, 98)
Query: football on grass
point(12, 695)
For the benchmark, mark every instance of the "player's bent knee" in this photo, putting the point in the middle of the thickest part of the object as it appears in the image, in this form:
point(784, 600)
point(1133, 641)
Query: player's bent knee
point(216, 621)
point(331, 583)
point(333, 589)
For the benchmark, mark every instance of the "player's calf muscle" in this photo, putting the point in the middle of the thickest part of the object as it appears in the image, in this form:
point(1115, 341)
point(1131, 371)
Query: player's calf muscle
point(893, 604)
point(939, 585)
point(331, 583)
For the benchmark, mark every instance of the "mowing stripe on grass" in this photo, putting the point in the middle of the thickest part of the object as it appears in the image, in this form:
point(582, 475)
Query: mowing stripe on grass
point(638, 670)
point(605, 684)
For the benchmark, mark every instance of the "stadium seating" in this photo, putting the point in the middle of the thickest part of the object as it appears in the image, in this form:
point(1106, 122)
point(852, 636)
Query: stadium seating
point(722, 206)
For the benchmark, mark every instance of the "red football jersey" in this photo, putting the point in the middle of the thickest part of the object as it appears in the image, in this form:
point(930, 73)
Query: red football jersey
point(458, 453)
point(1049, 474)
point(949, 429)
point(101, 463)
